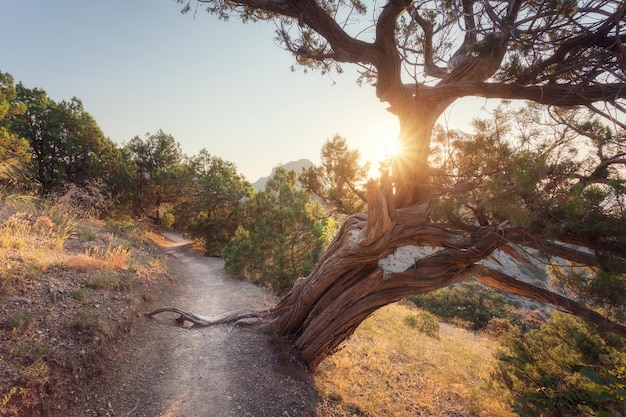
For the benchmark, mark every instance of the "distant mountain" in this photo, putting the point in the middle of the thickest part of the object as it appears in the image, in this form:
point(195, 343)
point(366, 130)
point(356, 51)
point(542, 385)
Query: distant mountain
point(297, 166)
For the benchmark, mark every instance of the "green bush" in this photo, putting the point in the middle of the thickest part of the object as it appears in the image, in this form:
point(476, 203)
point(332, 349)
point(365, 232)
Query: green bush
point(87, 234)
point(282, 239)
point(17, 321)
point(80, 294)
point(468, 302)
point(565, 368)
point(121, 227)
point(105, 280)
point(86, 320)
point(167, 220)
point(424, 322)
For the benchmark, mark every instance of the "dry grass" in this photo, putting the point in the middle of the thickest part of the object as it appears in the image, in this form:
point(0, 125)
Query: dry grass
point(84, 263)
point(389, 368)
point(32, 236)
point(60, 279)
point(95, 259)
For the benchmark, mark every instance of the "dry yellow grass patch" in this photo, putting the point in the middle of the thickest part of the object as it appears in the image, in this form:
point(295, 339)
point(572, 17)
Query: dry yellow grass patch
point(117, 258)
point(84, 263)
point(113, 259)
point(29, 244)
point(388, 368)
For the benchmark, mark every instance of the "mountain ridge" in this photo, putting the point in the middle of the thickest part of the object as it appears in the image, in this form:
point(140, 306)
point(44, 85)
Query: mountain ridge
point(297, 166)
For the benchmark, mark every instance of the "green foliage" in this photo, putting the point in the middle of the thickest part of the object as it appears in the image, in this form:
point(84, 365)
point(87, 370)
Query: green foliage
point(167, 220)
point(424, 322)
point(80, 294)
point(86, 319)
point(36, 374)
point(66, 143)
point(338, 181)
point(87, 234)
point(520, 167)
point(213, 204)
point(17, 321)
point(121, 227)
point(155, 166)
point(565, 368)
point(558, 181)
point(282, 238)
point(105, 280)
point(470, 302)
point(12, 146)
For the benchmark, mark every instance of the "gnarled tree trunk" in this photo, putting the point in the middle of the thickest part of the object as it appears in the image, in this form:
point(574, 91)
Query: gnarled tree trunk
point(348, 284)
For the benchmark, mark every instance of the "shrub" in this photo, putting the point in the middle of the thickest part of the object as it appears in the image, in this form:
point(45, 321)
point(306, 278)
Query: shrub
point(424, 322)
point(80, 294)
point(86, 201)
point(498, 327)
point(167, 220)
point(121, 227)
point(87, 234)
point(18, 321)
point(106, 280)
point(117, 258)
point(86, 320)
point(84, 263)
point(564, 368)
point(36, 375)
point(469, 302)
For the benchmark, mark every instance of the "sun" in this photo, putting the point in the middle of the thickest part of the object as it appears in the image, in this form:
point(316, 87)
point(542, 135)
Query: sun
point(385, 150)
point(391, 147)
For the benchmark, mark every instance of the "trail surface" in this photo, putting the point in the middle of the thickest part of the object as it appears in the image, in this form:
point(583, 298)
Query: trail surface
point(171, 371)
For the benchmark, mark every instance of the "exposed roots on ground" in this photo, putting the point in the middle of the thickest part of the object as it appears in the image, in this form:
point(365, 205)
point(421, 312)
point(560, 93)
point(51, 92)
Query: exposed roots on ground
point(234, 316)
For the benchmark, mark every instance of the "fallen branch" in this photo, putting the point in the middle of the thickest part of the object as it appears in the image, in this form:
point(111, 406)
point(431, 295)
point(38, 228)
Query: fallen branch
point(18, 300)
point(228, 317)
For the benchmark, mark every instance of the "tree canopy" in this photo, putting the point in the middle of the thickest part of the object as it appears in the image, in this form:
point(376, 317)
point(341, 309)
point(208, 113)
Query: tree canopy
point(11, 145)
point(155, 159)
point(213, 199)
point(339, 179)
point(282, 237)
point(66, 143)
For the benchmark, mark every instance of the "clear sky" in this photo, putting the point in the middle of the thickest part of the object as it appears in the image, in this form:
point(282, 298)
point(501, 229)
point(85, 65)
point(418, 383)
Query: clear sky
point(139, 66)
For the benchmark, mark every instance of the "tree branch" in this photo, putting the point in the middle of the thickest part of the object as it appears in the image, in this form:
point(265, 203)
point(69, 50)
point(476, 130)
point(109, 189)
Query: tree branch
point(522, 237)
point(430, 69)
point(228, 317)
point(555, 94)
point(346, 48)
point(387, 61)
point(507, 283)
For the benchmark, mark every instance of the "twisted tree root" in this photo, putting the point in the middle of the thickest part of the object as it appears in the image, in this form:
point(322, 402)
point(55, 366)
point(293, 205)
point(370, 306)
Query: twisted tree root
point(228, 317)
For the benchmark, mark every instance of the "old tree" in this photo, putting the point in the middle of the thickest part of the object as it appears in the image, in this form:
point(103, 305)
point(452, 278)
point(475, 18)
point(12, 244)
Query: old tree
point(421, 56)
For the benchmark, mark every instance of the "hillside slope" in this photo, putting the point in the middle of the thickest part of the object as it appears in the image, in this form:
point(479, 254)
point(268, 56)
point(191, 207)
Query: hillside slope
point(68, 291)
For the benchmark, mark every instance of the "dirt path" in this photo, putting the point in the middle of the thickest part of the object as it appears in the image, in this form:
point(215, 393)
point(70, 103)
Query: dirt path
point(170, 371)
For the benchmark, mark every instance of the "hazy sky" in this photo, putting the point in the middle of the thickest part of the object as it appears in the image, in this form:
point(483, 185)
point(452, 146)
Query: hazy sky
point(139, 66)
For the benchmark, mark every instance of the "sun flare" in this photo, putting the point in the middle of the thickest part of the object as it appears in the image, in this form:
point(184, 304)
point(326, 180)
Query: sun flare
point(391, 147)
